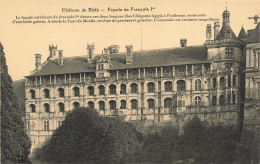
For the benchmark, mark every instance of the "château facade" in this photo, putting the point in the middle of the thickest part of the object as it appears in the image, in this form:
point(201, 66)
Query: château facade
point(153, 86)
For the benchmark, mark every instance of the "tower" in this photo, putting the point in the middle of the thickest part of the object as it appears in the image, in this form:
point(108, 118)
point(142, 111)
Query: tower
point(60, 58)
point(129, 54)
point(208, 31)
point(52, 50)
point(38, 61)
point(225, 16)
point(90, 48)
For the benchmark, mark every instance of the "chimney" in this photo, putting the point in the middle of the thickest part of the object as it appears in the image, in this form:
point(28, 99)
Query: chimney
point(216, 29)
point(90, 48)
point(38, 58)
point(129, 54)
point(60, 59)
point(107, 53)
point(53, 50)
point(183, 42)
point(208, 32)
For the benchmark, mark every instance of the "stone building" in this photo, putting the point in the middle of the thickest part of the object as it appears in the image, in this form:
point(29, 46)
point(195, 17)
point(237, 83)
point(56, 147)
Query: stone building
point(153, 86)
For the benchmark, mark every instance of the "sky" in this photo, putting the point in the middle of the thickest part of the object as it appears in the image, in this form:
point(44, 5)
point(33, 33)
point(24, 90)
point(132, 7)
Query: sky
point(22, 41)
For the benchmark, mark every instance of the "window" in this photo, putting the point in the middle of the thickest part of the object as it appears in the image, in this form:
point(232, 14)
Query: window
point(112, 89)
point(47, 108)
point(229, 81)
point(167, 103)
point(123, 89)
point(227, 34)
point(101, 105)
point(134, 88)
point(32, 106)
point(214, 81)
point(46, 125)
point(150, 103)
point(60, 122)
point(150, 87)
point(221, 100)
point(91, 105)
point(229, 52)
point(100, 67)
point(234, 80)
point(134, 104)
point(229, 99)
point(61, 92)
point(75, 105)
point(214, 100)
point(61, 107)
point(90, 90)
point(32, 94)
point(46, 93)
point(168, 86)
point(181, 103)
point(123, 104)
point(101, 74)
point(222, 82)
point(76, 91)
point(101, 90)
point(181, 85)
point(197, 85)
point(197, 101)
point(112, 104)
point(233, 98)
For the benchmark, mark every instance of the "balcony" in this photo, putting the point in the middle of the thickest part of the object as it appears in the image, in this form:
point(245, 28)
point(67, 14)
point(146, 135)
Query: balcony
point(197, 73)
point(101, 79)
point(180, 74)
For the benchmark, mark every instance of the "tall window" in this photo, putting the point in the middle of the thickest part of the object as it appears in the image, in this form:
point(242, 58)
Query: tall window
point(229, 80)
point(214, 100)
point(181, 103)
point(221, 100)
point(61, 107)
point(167, 103)
point(134, 88)
point(222, 82)
point(46, 125)
point(91, 105)
point(181, 85)
point(197, 85)
point(233, 98)
point(101, 90)
point(101, 105)
point(75, 105)
point(168, 86)
point(46, 93)
point(227, 34)
point(90, 90)
point(234, 80)
point(123, 89)
point(32, 106)
point(134, 104)
point(150, 103)
point(123, 104)
point(61, 92)
point(214, 81)
point(229, 99)
point(76, 91)
point(100, 66)
point(112, 89)
point(112, 104)
point(32, 94)
point(150, 87)
point(197, 101)
point(47, 108)
point(229, 52)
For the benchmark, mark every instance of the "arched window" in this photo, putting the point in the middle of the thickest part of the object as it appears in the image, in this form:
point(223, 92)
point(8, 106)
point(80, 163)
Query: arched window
point(46, 93)
point(183, 103)
point(181, 85)
point(61, 107)
point(134, 88)
point(112, 89)
point(222, 82)
point(150, 103)
point(168, 86)
point(47, 108)
point(61, 92)
point(91, 105)
point(150, 87)
point(76, 91)
point(233, 98)
point(229, 80)
point(179, 103)
point(197, 85)
point(229, 99)
point(214, 100)
point(214, 83)
point(168, 103)
point(112, 104)
point(123, 104)
point(32, 106)
point(134, 104)
point(234, 80)
point(32, 94)
point(101, 105)
point(123, 89)
point(197, 101)
point(75, 105)
point(90, 90)
point(101, 89)
point(221, 100)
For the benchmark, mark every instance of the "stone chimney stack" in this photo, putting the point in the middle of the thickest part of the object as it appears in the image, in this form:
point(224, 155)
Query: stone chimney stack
point(53, 50)
point(208, 32)
point(38, 58)
point(107, 53)
point(129, 54)
point(216, 29)
point(183, 42)
point(60, 59)
point(90, 48)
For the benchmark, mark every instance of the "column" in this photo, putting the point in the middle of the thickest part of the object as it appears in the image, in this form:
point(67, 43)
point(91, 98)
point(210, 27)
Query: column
point(84, 77)
point(117, 75)
point(203, 68)
point(156, 72)
point(127, 74)
point(173, 71)
point(69, 78)
point(192, 69)
point(40, 80)
point(144, 72)
point(161, 71)
point(65, 78)
point(54, 79)
point(186, 70)
point(36, 80)
point(50, 79)
point(139, 73)
point(80, 77)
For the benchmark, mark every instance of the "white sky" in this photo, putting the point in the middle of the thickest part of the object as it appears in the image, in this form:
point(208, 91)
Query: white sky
point(22, 41)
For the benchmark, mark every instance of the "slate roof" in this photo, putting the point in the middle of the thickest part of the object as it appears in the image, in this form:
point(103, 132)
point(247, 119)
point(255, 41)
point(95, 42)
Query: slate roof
point(141, 59)
point(242, 34)
point(255, 35)
point(221, 34)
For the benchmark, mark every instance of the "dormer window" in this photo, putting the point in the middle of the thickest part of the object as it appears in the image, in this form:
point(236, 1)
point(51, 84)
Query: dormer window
point(100, 67)
point(229, 52)
point(227, 34)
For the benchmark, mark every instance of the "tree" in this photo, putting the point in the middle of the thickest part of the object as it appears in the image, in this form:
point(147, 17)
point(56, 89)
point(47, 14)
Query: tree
point(85, 136)
point(14, 141)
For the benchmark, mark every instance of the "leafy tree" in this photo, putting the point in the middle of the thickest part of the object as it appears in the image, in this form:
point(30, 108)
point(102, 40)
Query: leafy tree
point(87, 137)
point(14, 141)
